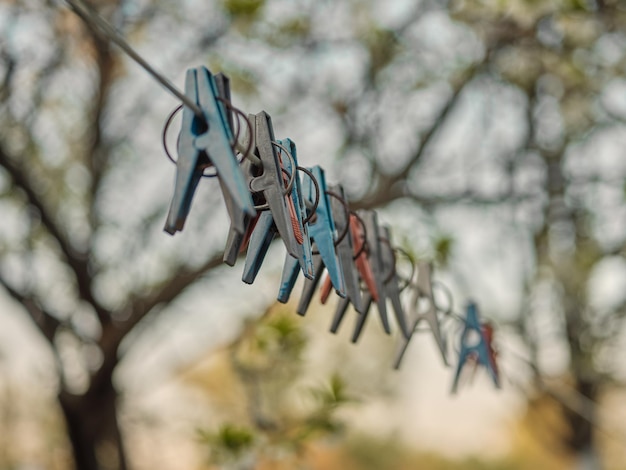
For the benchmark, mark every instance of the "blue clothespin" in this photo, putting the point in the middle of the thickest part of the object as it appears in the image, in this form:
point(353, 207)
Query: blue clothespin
point(281, 217)
point(423, 290)
point(205, 140)
point(322, 233)
point(480, 351)
point(345, 250)
point(239, 219)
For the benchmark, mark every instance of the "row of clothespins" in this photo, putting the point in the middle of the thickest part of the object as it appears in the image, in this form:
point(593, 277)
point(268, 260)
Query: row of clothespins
point(267, 194)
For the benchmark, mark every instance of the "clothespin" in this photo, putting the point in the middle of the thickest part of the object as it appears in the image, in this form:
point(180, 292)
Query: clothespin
point(392, 283)
point(488, 332)
point(322, 233)
point(361, 262)
point(281, 217)
point(370, 219)
point(423, 290)
point(205, 140)
point(238, 240)
point(345, 251)
point(480, 350)
point(297, 204)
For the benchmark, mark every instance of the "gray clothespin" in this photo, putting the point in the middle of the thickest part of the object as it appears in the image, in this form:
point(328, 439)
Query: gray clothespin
point(269, 182)
point(423, 290)
point(392, 283)
point(370, 219)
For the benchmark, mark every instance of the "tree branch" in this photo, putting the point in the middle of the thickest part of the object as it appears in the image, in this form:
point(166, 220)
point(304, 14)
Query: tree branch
point(76, 260)
point(45, 322)
point(140, 306)
point(390, 187)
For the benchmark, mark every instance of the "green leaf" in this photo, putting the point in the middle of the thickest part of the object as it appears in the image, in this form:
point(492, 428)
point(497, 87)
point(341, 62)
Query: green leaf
point(243, 8)
point(443, 246)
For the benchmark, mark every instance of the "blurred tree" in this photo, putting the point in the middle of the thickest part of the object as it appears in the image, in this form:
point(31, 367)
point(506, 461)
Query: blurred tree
point(515, 107)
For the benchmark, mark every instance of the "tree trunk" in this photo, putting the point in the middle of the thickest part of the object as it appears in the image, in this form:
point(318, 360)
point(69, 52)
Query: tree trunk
point(93, 428)
point(580, 439)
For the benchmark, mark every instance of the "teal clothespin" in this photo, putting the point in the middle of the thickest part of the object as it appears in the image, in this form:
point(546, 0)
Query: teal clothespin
point(322, 232)
point(480, 350)
point(205, 140)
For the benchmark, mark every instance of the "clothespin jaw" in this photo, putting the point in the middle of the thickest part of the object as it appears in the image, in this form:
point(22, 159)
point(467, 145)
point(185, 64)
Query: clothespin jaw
point(344, 249)
point(392, 283)
point(205, 141)
point(288, 281)
point(423, 290)
point(479, 350)
point(370, 219)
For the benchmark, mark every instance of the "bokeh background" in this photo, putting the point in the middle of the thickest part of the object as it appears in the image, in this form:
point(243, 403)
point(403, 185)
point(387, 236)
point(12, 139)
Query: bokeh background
point(489, 134)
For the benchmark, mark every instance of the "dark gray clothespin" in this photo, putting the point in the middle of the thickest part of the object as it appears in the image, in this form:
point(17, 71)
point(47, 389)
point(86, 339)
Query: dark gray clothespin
point(271, 184)
point(423, 290)
point(205, 140)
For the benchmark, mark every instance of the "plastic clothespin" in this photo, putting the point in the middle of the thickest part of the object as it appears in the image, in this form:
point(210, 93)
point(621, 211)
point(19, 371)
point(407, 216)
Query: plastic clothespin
point(345, 251)
point(362, 263)
point(237, 239)
point(423, 290)
point(488, 332)
point(281, 217)
point(236, 236)
point(480, 350)
point(305, 255)
point(203, 141)
point(322, 233)
point(370, 219)
point(392, 283)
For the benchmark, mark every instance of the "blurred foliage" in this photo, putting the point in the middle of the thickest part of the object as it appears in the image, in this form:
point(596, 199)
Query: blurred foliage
point(228, 443)
point(443, 246)
point(248, 9)
point(283, 416)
